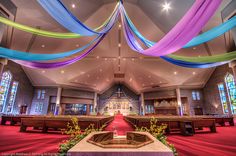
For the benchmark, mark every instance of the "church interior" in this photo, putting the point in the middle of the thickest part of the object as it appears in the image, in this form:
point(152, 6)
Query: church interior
point(118, 77)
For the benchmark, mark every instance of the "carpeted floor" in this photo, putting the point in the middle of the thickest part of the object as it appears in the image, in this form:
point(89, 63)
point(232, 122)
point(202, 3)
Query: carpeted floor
point(222, 143)
point(119, 125)
point(12, 141)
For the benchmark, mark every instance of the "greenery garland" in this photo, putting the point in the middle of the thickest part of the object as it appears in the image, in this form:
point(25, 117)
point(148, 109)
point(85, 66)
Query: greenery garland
point(158, 133)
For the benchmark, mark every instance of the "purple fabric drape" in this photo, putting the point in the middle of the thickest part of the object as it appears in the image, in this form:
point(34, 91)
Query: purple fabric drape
point(187, 28)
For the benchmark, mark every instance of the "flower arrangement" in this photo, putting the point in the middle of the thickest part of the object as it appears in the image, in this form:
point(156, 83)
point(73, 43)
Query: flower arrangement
point(158, 133)
point(75, 135)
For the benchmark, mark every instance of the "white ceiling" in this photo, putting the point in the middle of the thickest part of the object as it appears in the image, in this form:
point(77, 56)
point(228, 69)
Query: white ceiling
point(96, 72)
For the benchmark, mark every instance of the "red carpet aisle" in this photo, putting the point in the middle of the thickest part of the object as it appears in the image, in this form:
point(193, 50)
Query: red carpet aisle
point(12, 141)
point(120, 125)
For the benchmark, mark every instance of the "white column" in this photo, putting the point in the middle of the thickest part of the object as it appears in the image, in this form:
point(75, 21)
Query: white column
point(179, 102)
point(95, 102)
point(142, 104)
point(58, 102)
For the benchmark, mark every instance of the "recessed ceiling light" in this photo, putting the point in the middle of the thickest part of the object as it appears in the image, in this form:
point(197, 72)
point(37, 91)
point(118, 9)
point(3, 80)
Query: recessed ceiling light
point(118, 57)
point(100, 70)
point(114, 59)
point(166, 6)
point(194, 48)
point(194, 73)
point(130, 79)
point(62, 71)
point(82, 72)
point(119, 65)
point(77, 45)
point(124, 59)
point(119, 45)
point(97, 57)
point(132, 59)
point(43, 46)
point(175, 73)
point(73, 5)
point(119, 25)
point(43, 71)
point(105, 59)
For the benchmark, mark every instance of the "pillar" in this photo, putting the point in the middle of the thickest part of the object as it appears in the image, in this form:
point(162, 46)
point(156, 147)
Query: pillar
point(234, 34)
point(95, 102)
point(232, 65)
point(3, 62)
point(179, 102)
point(142, 104)
point(58, 109)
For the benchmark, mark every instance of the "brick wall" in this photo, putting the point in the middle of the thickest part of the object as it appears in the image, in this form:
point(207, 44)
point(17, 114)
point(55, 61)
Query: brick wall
point(189, 103)
point(25, 89)
point(212, 103)
point(50, 92)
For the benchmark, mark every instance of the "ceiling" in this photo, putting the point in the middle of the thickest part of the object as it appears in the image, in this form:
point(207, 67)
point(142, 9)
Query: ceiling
point(96, 71)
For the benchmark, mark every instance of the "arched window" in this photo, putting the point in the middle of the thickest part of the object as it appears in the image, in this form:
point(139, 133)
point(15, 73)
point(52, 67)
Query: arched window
point(4, 87)
point(12, 97)
point(223, 97)
point(231, 88)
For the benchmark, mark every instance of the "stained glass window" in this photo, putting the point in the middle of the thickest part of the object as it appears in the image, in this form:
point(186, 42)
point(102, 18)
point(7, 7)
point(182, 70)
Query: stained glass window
point(4, 87)
point(223, 97)
point(231, 88)
point(12, 97)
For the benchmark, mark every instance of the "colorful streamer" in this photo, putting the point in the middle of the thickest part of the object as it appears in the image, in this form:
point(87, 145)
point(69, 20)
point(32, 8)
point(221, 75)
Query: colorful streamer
point(193, 65)
point(202, 38)
point(63, 16)
point(188, 27)
point(18, 55)
point(49, 33)
point(182, 35)
point(39, 65)
point(71, 61)
point(134, 44)
point(190, 62)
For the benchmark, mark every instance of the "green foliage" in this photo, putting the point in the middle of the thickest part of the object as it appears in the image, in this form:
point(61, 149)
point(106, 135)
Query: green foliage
point(75, 135)
point(158, 132)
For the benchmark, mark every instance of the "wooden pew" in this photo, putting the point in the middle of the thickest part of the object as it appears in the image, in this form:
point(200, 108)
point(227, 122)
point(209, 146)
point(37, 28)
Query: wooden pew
point(32, 122)
point(221, 120)
point(200, 123)
point(60, 122)
point(13, 119)
point(174, 123)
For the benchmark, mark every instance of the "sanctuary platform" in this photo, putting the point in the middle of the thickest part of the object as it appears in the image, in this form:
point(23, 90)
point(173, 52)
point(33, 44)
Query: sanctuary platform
point(133, 144)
